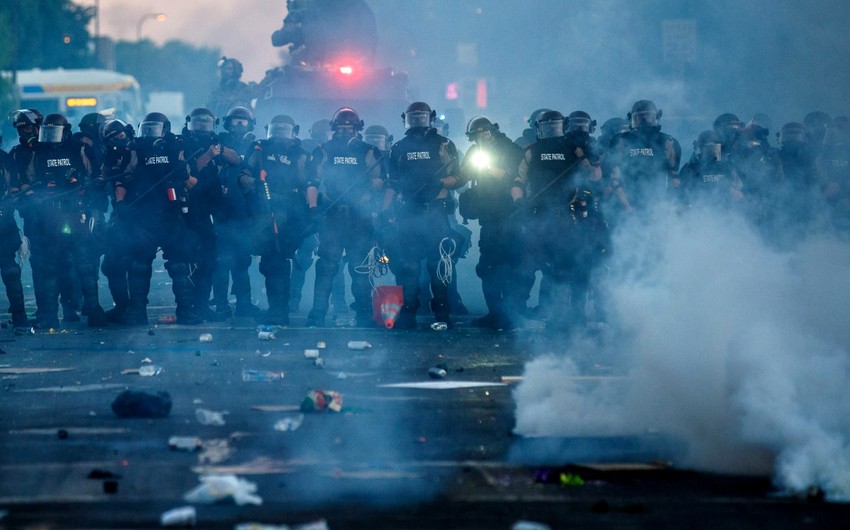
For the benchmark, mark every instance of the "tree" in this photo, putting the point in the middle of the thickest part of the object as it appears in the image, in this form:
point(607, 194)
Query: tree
point(175, 66)
point(45, 34)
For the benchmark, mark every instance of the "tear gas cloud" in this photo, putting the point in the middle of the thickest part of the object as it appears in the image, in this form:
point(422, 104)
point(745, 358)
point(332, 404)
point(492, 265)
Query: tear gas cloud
point(735, 347)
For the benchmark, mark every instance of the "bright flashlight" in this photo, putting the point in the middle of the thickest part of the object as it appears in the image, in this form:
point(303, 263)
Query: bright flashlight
point(481, 159)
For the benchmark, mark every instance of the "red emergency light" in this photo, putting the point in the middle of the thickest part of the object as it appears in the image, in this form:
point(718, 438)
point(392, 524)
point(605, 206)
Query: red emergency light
point(346, 70)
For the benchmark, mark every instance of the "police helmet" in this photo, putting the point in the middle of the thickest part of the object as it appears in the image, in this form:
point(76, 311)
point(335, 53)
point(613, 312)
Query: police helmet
point(115, 131)
point(614, 126)
point(90, 124)
point(346, 116)
point(580, 121)
point(418, 114)
point(54, 129)
point(225, 62)
point(376, 136)
point(760, 124)
point(201, 120)
point(708, 145)
point(476, 125)
point(26, 118)
point(155, 125)
point(550, 124)
point(282, 127)
point(320, 130)
point(644, 113)
point(816, 123)
point(534, 116)
point(792, 132)
point(239, 112)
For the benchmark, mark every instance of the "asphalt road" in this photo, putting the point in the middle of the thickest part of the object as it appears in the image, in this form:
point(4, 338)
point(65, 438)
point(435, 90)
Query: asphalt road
point(393, 457)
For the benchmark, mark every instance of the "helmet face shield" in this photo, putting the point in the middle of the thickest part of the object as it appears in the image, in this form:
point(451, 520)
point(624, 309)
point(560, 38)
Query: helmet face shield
point(417, 118)
point(202, 123)
point(151, 129)
point(378, 141)
point(579, 124)
point(280, 131)
point(51, 134)
point(644, 118)
point(550, 129)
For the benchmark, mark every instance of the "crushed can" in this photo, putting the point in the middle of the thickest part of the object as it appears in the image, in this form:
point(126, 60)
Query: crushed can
point(358, 345)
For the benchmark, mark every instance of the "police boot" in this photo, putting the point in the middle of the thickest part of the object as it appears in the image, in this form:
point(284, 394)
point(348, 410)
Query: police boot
point(116, 278)
point(277, 291)
point(406, 318)
point(48, 313)
point(95, 314)
point(15, 294)
point(242, 292)
point(326, 270)
point(440, 307)
point(138, 286)
point(184, 294)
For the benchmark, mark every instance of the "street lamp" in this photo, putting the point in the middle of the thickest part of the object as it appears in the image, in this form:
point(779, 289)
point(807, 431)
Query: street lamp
point(159, 17)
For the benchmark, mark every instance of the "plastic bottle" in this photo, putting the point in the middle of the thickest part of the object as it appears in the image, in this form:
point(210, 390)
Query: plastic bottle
point(185, 443)
point(358, 345)
point(205, 337)
point(261, 375)
point(266, 335)
point(436, 373)
point(311, 353)
point(150, 370)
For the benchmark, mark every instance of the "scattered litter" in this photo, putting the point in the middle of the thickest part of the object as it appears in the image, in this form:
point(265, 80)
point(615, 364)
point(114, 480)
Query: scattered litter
point(146, 360)
point(24, 331)
point(21, 371)
point(529, 525)
point(319, 362)
point(276, 408)
point(149, 370)
point(441, 385)
point(511, 378)
point(214, 488)
point(266, 335)
point(321, 345)
point(436, 373)
point(74, 388)
point(258, 466)
point(205, 337)
point(183, 516)
point(133, 404)
point(266, 353)
point(261, 375)
point(185, 443)
point(341, 375)
point(311, 354)
point(570, 479)
point(209, 417)
point(321, 401)
point(358, 345)
point(289, 423)
point(439, 326)
point(166, 319)
point(214, 451)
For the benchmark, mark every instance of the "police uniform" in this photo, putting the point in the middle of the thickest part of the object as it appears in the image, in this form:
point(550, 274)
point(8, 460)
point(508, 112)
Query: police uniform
point(417, 164)
point(645, 161)
point(58, 176)
point(343, 169)
point(279, 216)
point(10, 242)
point(566, 233)
point(504, 279)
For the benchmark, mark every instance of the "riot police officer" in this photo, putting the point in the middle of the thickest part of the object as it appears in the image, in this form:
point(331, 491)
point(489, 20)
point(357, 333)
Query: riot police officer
point(56, 182)
point(277, 187)
point(644, 161)
point(10, 242)
point(231, 90)
point(423, 168)
point(204, 200)
point(553, 186)
point(529, 134)
point(116, 136)
point(348, 171)
point(709, 178)
point(151, 205)
point(490, 165)
point(233, 219)
point(800, 197)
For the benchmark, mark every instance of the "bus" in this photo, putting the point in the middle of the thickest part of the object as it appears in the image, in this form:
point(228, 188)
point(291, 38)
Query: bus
point(77, 92)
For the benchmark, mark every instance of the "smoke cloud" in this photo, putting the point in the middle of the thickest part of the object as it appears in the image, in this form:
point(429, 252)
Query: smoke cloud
point(735, 347)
